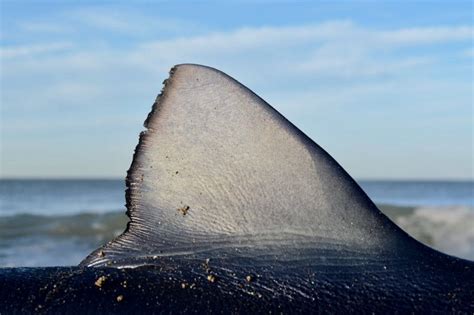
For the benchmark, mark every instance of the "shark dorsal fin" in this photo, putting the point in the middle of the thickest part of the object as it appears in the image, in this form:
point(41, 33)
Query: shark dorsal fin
point(219, 167)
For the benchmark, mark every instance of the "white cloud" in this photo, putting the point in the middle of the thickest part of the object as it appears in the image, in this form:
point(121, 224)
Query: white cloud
point(327, 46)
point(468, 52)
point(344, 32)
point(29, 51)
point(331, 50)
point(337, 49)
point(426, 35)
point(43, 27)
point(308, 72)
point(109, 20)
point(335, 60)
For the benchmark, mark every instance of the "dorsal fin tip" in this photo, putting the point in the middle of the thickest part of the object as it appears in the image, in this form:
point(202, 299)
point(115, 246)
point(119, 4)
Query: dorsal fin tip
point(242, 172)
point(167, 81)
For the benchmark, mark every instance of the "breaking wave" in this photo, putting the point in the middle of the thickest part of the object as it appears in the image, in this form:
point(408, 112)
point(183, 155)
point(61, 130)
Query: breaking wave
point(46, 240)
point(447, 229)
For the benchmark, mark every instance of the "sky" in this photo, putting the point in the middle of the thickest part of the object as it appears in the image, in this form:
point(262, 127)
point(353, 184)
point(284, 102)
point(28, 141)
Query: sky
point(385, 87)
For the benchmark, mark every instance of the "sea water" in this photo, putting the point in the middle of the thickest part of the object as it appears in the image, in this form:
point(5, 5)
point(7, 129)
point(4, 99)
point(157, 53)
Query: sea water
point(59, 222)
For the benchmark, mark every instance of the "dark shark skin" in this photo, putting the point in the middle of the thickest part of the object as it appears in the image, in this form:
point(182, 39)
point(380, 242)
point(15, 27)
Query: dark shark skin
point(233, 209)
point(435, 284)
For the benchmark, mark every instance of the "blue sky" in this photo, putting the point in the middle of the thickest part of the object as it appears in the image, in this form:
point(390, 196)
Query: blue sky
point(385, 87)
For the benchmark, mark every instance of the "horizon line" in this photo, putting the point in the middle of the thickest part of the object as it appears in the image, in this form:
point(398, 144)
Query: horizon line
point(72, 178)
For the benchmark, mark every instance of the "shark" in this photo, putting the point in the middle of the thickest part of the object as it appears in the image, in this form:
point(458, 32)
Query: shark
point(233, 209)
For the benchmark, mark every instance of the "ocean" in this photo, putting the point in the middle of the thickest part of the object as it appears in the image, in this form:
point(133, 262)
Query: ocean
point(59, 222)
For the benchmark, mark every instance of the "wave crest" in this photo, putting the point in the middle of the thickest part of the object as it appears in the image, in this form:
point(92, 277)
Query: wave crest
point(447, 229)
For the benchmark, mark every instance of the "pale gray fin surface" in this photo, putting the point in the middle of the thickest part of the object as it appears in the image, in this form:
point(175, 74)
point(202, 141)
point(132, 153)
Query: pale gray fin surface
point(218, 167)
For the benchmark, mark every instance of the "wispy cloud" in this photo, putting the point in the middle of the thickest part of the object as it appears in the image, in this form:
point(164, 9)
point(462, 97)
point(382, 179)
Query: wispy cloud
point(337, 49)
point(336, 31)
point(29, 51)
point(126, 22)
point(100, 21)
point(427, 35)
point(331, 50)
point(468, 52)
point(336, 68)
point(45, 27)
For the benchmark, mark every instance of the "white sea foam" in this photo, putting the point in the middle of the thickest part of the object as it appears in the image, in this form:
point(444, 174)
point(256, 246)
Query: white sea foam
point(447, 229)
